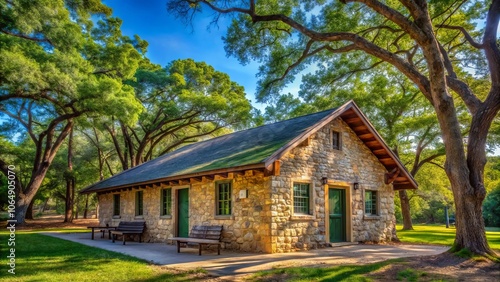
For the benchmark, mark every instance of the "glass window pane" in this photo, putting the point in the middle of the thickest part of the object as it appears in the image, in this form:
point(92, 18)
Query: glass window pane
point(301, 198)
point(116, 204)
point(166, 201)
point(336, 140)
point(138, 203)
point(223, 199)
point(371, 202)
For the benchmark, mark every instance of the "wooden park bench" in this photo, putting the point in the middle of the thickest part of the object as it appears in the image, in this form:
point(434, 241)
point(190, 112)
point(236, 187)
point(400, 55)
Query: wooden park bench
point(125, 228)
point(202, 235)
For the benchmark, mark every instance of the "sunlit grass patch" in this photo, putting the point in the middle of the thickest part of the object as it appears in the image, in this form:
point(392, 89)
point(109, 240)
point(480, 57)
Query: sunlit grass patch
point(45, 258)
point(335, 273)
point(440, 235)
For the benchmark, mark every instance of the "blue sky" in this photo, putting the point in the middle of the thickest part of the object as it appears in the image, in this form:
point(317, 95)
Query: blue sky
point(169, 39)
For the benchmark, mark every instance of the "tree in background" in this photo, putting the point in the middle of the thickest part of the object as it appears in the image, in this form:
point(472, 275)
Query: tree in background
point(56, 65)
point(183, 102)
point(491, 205)
point(432, 44)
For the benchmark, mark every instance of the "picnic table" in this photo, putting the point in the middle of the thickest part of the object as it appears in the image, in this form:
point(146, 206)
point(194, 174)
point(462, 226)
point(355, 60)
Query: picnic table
point(101, 229)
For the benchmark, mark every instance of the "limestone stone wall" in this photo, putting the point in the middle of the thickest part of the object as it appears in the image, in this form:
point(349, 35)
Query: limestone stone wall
point(309, 164)
point(158, 228)
point(264, 221)
point(247, 229)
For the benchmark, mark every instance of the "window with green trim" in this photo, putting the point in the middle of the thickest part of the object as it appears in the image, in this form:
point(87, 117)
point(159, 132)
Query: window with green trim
point(223, 198)
point(116, 204)
point(370, 202)
point(301, 198)
point(139, 208)
point(166, 201)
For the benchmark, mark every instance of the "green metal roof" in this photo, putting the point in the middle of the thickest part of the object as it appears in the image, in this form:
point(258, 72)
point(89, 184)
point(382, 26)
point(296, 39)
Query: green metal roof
point(242, 148)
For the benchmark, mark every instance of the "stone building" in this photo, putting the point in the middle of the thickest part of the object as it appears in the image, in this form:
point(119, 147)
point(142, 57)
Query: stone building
point(293, 185)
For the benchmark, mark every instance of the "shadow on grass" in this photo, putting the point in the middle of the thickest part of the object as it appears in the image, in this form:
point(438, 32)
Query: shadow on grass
point(186, 276)
point(336, 273)
point(410, 275)
point(45, 258)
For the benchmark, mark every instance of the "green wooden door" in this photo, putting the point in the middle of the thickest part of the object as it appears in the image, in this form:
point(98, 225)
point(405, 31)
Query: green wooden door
point(183, 212)
point(336, 204)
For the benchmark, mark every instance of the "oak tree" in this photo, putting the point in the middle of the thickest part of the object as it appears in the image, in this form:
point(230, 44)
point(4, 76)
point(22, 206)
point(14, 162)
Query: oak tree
point(60, 60)
point(184, 102)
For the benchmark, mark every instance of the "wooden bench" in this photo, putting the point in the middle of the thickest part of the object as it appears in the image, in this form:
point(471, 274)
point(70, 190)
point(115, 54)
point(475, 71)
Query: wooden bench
point(202, 235)
point(125, 228)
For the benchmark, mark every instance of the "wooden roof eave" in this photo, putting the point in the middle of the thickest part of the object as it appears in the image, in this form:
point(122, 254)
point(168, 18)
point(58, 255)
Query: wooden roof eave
point(403, 171)
point(351, 105)
point(258, 166)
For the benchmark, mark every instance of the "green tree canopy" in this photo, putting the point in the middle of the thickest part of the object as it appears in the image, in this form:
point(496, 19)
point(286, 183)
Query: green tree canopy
point(60, 60)
point(184, 102)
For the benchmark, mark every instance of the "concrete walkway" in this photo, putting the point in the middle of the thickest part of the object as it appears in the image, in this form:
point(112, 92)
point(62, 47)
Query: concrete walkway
point(230, 264)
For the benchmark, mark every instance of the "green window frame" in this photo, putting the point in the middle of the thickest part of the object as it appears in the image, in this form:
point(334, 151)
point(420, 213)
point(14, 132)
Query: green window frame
point(139, 205)
point(116, 204)
point(371, 202)
point(166, 201)
point(301, 198)
point(224, 194)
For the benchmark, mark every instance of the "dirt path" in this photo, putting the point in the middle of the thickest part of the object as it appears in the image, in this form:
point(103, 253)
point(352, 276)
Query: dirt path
point(56, 221)
point(443, 267)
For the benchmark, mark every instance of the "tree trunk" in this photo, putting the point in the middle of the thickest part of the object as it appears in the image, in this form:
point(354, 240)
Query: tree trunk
point(70, 182)
point(24, 198)
point(40, 168)
point(44, 206)
point(405, 210)
point(468, 198)
point(470, 229)
point(85, 211)
point(29, 211)
point(403, 197)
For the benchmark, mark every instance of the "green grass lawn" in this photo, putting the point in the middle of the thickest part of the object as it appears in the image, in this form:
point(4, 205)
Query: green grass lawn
point(423, 234)
point(440, 235)
point(44, 258)
point(336, 273)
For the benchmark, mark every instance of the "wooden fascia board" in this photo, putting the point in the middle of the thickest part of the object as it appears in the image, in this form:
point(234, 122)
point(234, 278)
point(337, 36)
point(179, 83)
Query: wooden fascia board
point(379, 138)
point(300, 138)
point(337, 113)
point(180, 177)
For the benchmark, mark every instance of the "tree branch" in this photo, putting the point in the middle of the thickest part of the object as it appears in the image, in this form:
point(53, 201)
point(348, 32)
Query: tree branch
point(465, 33)
point(31, 38)
point(359, 42)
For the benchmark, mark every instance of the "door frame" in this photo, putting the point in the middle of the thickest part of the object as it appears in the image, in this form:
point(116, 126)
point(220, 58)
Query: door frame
point(175, 218)
point(346, 186)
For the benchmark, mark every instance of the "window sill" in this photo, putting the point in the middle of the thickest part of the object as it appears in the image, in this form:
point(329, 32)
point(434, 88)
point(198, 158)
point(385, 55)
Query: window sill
point(224, 217)
point(166, 216)
point(302, 217)
point(371, 217)
point(116, 217)
point(139, 217)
